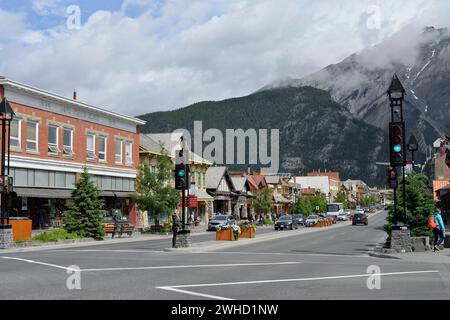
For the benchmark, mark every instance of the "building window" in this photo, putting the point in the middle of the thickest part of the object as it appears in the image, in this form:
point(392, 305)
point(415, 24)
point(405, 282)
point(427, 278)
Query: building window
point(15, 133)
point(90, 146)
point(118, 151)
point(53, 140)
point(199, 182)
point(68, 142)
point(128, 153)
point(102, 148)
point(32, 136)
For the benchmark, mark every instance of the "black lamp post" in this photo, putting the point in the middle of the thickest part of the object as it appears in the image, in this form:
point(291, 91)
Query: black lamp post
point(6, 116)
point(396, 94)
point(413, 146)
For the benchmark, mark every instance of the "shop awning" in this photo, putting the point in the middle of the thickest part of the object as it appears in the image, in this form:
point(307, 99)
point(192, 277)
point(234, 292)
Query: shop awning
point(118, 194)
point(43, 193)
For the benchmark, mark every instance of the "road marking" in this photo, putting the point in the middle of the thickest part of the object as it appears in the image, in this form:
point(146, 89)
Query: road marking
point(41, 263)
point(109, 250)
point(194, 293)
point(194, 266)
point(289, 254)
point(301, 279)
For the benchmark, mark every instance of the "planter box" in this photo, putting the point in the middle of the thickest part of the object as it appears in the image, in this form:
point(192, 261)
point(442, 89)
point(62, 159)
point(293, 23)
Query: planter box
point(248, 233)
point(227, 235)
point(21, 228)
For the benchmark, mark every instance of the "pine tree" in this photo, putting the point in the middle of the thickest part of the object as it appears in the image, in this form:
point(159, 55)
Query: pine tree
point(85, 211)
point(419, 205)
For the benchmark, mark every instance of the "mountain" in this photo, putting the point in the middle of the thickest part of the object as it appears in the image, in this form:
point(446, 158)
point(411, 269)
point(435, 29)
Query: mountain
point(315, 131)
point(421, 59)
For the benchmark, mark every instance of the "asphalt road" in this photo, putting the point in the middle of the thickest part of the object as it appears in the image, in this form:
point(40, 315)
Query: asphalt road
point(329, 264)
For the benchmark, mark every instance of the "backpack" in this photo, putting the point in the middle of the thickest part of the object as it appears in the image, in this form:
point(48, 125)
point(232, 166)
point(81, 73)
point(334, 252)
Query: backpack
point(431, 223)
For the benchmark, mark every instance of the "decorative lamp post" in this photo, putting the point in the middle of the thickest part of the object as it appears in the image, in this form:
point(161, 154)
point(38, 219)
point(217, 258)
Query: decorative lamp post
point(396, 93)
point(413, 146)
point(6, 116)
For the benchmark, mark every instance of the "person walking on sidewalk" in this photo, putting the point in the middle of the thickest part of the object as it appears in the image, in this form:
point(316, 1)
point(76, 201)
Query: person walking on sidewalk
point(440, 226)
point(175, 225)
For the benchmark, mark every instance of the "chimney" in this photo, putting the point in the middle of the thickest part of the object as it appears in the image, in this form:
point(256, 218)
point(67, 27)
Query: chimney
point(74, 94)
point(248, 170)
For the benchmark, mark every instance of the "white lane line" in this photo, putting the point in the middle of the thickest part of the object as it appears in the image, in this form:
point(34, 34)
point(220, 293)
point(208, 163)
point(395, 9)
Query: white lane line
point(291, 254)
point(301, 279)
point(194, 293)
point(41, 263)
point(110, 250)
point(194, 266)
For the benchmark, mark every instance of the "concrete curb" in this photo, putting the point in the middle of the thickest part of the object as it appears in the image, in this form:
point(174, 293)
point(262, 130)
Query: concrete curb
point(89, 243)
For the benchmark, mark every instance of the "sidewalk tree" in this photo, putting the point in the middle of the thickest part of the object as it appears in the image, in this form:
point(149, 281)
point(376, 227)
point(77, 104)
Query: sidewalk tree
point(341, 199)
point(155, 192)
point(318, 201)
point(303, 206)
point(419, 205)
point(368, 201)
point(262, 201)
point(84, 215)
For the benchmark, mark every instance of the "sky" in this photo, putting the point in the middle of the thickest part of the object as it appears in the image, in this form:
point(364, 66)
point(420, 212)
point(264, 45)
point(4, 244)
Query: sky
point(141, 56)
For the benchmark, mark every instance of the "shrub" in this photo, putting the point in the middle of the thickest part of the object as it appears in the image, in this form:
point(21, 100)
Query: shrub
point(55, 235)
point(267, 221)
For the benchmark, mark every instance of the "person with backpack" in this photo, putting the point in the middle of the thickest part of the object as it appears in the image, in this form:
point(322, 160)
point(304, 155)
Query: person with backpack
point(436, 225)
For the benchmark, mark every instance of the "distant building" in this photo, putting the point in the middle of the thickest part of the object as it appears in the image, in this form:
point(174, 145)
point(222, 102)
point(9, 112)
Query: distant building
point(334, 183)
point(358, 190)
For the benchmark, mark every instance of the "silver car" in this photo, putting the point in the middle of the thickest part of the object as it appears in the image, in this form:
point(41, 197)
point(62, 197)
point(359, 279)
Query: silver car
point(311, 220)
point(221, 219)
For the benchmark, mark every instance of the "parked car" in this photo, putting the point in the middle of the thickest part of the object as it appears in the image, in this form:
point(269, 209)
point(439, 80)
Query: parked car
point(222, 219)
point(311, 220)
point(300, 218)
point(342, 217)
point(360, 218)
point(286, 222)
point(332, 218)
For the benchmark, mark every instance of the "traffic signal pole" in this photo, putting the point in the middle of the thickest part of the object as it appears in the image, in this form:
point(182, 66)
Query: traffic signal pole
point(183, 209)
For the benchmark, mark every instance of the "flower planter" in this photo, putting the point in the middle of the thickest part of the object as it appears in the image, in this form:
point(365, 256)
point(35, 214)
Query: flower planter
point(248, 233)
point(227, 235)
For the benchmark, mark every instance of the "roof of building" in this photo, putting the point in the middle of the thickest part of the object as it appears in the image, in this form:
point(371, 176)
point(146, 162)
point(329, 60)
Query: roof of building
point(329, 174)
point(278, 198)
point(154, 142)
point(239, 183)
point(203, 195)
point(214, 176)
point(59, 98)
point(272, 179)
point(439, 185)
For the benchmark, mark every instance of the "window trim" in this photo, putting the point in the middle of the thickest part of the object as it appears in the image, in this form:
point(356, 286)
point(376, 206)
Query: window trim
point(37, 136)
point(121, 151)
point(19, 134)
point(71, 142)
point(105, 150)
point(129, 160)
point(57, 140)
point(93, 146)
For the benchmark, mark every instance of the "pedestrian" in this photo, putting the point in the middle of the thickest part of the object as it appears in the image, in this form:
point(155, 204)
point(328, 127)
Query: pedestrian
point(274, 217)
point(175, 225)
point(440, 228)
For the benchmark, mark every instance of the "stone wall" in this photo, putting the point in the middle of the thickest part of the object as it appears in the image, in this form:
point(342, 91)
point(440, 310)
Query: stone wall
point(401, 241)
point(6, 237)
point(183, 240)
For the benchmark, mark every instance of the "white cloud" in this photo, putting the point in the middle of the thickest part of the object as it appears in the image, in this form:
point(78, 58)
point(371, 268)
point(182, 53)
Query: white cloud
point(202, 50)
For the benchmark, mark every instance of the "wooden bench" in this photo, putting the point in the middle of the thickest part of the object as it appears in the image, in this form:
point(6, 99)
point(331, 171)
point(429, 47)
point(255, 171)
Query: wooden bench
point(119, 229)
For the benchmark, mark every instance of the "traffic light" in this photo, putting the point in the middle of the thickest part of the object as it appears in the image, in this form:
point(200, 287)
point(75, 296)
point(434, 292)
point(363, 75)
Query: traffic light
point(396, 144)
point(180, 177)
point(392, 177)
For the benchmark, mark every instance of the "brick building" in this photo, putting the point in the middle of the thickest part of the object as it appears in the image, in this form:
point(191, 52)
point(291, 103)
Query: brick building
point(53, 137)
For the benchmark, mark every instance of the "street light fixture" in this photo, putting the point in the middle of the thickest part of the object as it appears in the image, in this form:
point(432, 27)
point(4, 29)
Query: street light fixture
point(6, 116)
point(413, 146)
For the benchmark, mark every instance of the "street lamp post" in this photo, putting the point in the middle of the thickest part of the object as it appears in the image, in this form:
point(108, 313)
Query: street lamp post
point(413, 146)
point(396, 94)
point(6, 116)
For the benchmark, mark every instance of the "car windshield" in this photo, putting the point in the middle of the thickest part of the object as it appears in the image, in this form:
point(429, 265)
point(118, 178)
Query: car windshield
point(312, 217)
point(220, 218)
point(282, 218)
point(342, 214)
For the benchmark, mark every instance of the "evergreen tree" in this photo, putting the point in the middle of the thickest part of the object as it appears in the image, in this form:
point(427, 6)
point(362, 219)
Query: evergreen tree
point(156, 195)
point(262, 202)
point(85, 210)
point(419, 205)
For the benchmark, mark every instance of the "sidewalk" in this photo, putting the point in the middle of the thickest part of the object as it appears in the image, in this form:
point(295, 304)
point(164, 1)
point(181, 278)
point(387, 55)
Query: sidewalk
point(418, 257)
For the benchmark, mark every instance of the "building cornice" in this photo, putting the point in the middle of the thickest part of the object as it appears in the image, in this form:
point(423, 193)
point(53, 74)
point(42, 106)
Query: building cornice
point(58, 104)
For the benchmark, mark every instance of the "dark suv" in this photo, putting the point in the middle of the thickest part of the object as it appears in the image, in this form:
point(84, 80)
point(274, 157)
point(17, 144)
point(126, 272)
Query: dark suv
point(360, 218)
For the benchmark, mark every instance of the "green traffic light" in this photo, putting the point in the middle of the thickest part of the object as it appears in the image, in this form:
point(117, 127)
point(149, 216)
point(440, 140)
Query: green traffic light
point(397, 148)
point(180, 173)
